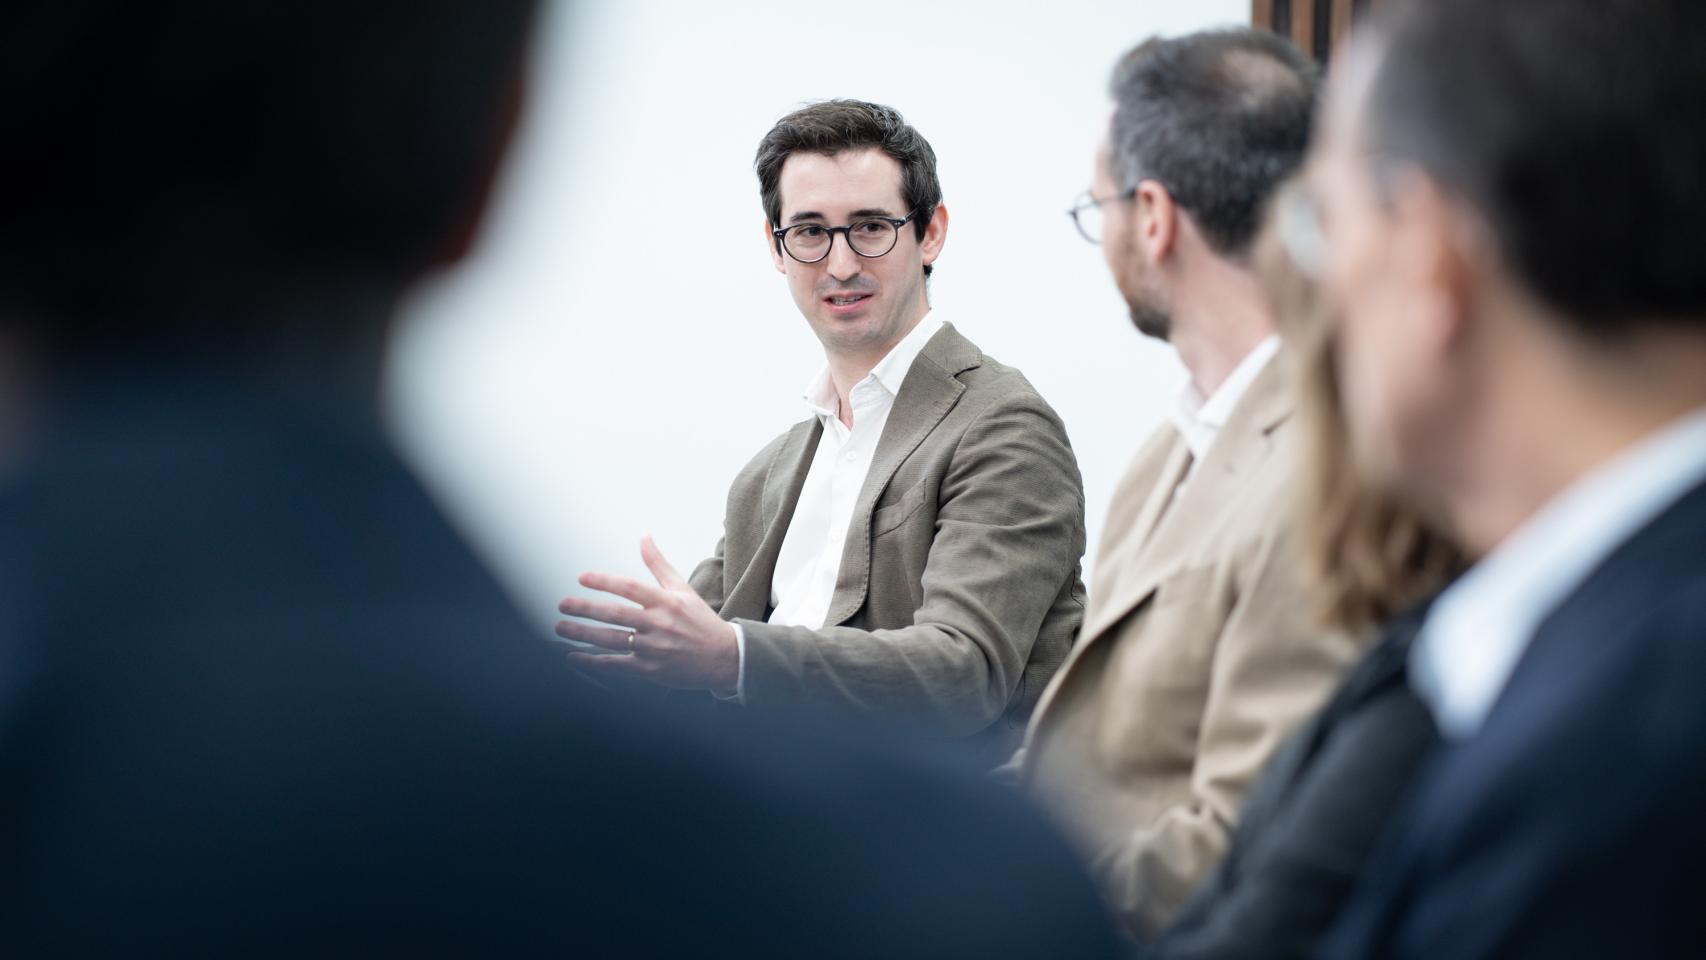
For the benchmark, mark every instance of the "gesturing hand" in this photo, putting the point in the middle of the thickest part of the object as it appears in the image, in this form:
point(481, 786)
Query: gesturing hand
point(672, 638)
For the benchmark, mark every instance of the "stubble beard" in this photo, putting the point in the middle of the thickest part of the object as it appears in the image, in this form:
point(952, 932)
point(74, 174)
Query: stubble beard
point(1152, 321)
point(1148, 308)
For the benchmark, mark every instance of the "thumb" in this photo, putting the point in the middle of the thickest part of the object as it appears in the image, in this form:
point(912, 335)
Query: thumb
point(660, 568)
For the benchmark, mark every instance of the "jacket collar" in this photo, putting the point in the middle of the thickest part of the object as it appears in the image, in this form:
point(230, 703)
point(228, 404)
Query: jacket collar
point(930, 388)
point(1169, 524)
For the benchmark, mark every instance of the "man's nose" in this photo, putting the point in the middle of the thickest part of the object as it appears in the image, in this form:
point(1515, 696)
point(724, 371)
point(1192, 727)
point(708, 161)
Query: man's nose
point(842, 262)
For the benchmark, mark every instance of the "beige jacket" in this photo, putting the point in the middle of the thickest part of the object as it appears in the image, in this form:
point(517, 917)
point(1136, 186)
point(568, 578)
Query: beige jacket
point(959, 590)
point(1198, 656)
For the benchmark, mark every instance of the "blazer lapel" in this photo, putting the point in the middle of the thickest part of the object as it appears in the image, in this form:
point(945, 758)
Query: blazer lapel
point(1380, 670)
point(1243, 447)
point(1161, 496)
point(750, 597)
point(930, 390)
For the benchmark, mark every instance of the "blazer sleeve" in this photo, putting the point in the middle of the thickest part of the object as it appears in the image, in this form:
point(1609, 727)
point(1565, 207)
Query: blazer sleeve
point(742, 527)
point(1009, 534)
point(1272, 668)
point(707, 578)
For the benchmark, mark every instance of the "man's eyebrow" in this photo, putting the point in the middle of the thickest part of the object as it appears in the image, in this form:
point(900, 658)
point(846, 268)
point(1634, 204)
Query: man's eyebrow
point(855, 215)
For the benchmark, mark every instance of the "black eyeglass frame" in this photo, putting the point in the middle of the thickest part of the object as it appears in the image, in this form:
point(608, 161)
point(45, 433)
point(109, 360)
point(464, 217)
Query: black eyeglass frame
point(781, 236)
point(1091, 200)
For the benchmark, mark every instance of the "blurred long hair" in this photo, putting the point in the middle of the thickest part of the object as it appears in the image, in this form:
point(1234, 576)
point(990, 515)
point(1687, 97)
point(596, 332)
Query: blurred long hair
point(1367, 554)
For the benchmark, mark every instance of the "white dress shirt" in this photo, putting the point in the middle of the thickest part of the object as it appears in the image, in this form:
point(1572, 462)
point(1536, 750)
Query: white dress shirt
point(1480, 627)
point(810, 560)
point(1199, 421)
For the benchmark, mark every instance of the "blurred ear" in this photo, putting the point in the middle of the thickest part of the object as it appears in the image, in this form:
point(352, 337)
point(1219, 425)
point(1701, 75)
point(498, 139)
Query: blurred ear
point(935, 235)
point(1442, 258)
point(775, 247)
point(1157, 221)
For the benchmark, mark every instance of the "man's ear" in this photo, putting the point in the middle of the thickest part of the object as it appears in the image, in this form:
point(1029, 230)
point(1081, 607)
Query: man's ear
point(775, 247)
point(935, 235)
point(1156, 218)
point(1442, 256)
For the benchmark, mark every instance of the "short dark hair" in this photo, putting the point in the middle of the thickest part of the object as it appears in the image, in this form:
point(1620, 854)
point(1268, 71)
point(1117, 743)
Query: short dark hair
point(174, 157)
point(1220, 118)
point(833, 126)
point(1574, 127)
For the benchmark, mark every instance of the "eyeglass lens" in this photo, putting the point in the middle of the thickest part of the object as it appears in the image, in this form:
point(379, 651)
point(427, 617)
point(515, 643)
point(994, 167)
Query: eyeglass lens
point(1088, 216)
point(870, 238)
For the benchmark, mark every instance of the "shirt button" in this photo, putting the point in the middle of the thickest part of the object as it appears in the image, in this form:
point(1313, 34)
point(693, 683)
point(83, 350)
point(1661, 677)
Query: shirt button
point(852, 456)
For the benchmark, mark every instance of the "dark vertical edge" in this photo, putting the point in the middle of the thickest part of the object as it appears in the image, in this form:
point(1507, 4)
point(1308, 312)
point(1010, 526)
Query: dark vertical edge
point(1282, 17)
point(1321, 37)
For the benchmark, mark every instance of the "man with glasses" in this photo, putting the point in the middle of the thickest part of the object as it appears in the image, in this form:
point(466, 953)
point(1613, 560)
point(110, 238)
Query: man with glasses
point(1199, 652)
point(909, 553)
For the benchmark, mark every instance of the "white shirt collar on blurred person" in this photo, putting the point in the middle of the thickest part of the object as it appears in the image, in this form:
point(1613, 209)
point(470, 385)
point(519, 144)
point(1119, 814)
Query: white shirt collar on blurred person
point(1199, 421)
point(1479, 628)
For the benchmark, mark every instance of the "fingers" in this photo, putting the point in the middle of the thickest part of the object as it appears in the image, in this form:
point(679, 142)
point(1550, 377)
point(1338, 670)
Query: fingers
point(610, 664)
point(660, 567)
point(605, 637)
point(627, 588)
point(619, 614)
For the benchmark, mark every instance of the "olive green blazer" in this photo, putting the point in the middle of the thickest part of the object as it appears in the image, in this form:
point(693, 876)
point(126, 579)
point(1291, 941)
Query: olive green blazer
point(959, 590)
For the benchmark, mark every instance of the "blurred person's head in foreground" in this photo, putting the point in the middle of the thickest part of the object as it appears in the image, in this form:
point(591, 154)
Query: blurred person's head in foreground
point(256, 696)
point(1204, 128)
point(1514, 216)
point(1370, 555)
point(204, 179)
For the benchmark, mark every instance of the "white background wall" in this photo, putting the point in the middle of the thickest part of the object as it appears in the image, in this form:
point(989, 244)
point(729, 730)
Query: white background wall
point(620, 344)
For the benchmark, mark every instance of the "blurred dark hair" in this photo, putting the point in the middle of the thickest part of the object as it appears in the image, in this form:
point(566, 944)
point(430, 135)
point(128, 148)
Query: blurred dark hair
point(1219, 118)
point(1574, 127)
point(174, 159)
point(833, 126)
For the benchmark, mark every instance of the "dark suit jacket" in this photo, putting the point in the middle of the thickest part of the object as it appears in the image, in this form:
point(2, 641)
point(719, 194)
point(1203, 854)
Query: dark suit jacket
point(1571, 824)
point(958, 593)
point(1312, 819)
point(258, 698)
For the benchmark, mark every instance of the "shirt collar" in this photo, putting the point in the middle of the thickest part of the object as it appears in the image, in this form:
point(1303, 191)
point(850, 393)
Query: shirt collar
point(889, 373)
point(1480, 627)
point(1198, 420)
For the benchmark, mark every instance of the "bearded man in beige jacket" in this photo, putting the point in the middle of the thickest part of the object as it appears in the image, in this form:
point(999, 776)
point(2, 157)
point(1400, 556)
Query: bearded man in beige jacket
point(1198, 653)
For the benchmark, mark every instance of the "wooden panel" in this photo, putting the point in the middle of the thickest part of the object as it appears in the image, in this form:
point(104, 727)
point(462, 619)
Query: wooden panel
point(1341, 20)
point(1262, 14)
point(1303, 25)
point(1318, 27)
